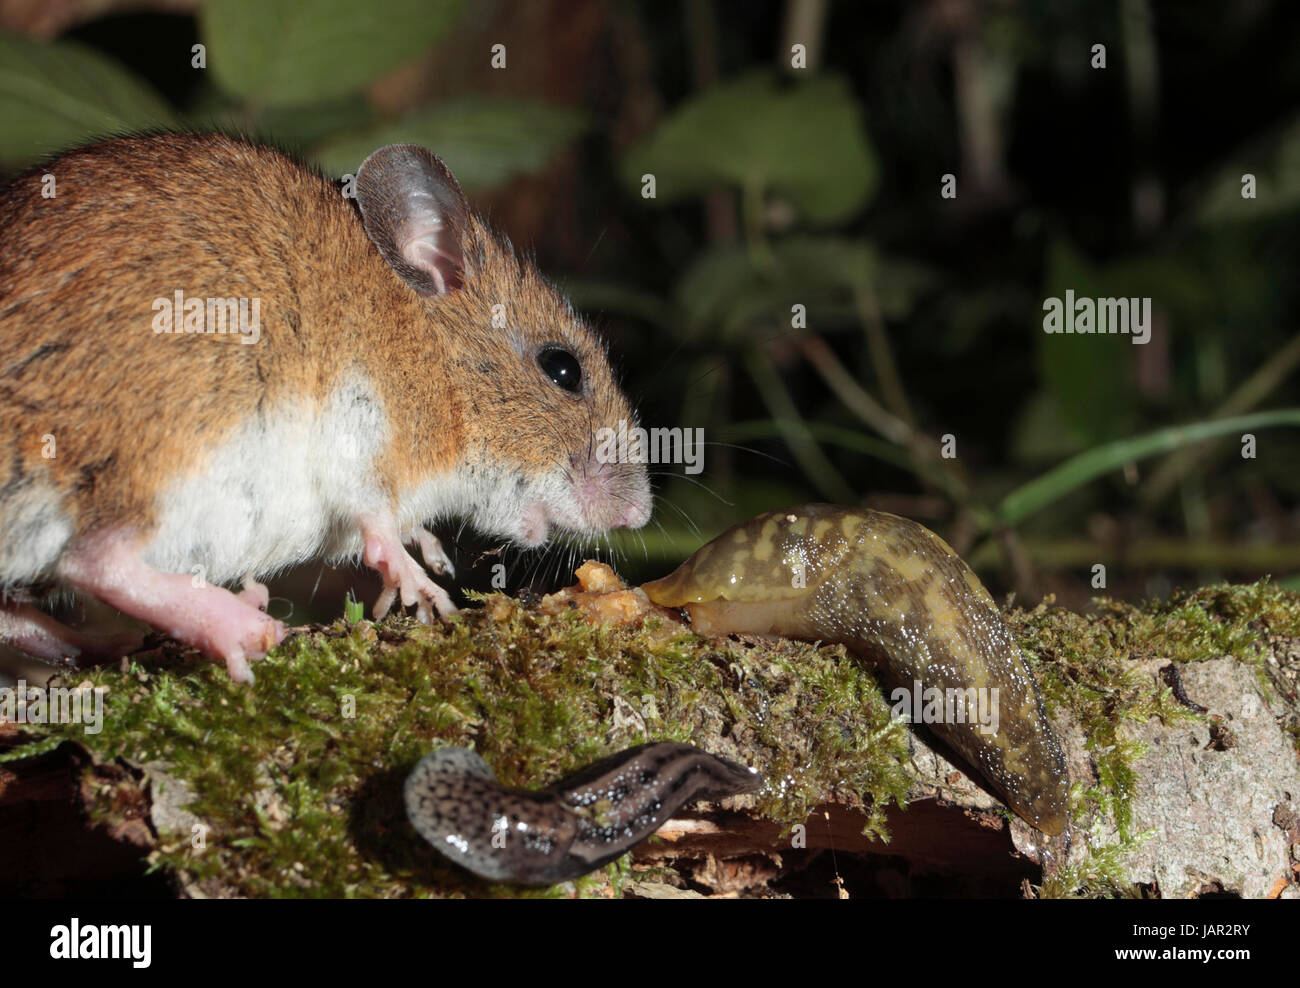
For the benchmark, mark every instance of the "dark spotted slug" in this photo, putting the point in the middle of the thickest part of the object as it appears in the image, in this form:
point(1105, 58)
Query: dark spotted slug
point(551, 835)
point(894, 593)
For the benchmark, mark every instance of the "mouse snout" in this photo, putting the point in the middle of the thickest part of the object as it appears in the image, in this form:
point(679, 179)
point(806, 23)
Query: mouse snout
point(637, 516)
point(613, 495)
point(634, 515)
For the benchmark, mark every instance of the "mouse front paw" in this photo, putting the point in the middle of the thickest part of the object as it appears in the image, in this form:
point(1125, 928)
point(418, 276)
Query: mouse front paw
point(404, 577)
point(435, 557)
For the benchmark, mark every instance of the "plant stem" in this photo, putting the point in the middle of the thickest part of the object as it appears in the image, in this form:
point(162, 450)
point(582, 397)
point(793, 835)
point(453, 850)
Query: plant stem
point(1248, 394)
point(882, 356)
point(1078, 470)
point(794, 429)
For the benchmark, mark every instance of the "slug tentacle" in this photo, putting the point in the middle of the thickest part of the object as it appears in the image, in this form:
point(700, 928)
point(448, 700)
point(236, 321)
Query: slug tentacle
point(897, 595)
point(582, 822)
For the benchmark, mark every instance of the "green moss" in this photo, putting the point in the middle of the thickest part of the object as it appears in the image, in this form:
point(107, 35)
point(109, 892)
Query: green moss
point(298, 779)
point(354, 611)
point(1084, 664)
point(1087, 665)
point(1099, 875)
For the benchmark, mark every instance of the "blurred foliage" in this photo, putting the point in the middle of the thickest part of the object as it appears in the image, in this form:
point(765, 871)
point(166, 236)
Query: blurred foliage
point(55, 96)
point(291, 72)
point(805, 142)
point(490, 141)
point(288, 52)
point(797, 286)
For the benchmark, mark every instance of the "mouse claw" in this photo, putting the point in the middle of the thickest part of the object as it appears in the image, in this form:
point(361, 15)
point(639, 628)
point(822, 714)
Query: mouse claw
point(435, 557)
point(254, 593)
point(404, 577)
point(384, 602)
point(434, 600)
point(238, 669)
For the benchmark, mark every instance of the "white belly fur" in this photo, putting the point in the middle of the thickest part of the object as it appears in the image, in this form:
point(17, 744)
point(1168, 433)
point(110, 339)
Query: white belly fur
point(284, 489)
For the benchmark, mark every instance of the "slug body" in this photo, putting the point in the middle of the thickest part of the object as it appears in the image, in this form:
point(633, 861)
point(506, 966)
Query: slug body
point(897, 595)
point(552, 835)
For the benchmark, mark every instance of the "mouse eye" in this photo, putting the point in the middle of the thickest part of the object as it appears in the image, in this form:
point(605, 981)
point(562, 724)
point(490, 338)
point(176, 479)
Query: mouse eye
point(562, 367)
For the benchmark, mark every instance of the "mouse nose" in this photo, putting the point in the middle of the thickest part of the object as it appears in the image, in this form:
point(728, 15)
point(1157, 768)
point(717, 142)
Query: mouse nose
point(613, 495)
point(634, 515)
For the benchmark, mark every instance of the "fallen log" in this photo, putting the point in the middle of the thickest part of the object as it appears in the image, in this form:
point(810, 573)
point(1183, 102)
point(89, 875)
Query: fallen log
point(1185, 782)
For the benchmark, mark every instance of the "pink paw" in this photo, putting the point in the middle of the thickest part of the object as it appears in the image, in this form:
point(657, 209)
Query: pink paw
point(434, 555)
point(230, 629)
point(405, 578)
point(36, 633)
point(255, 594)
point(233, 631)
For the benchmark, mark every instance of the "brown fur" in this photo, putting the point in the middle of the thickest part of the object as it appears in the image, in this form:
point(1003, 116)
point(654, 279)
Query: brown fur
point(138, 218)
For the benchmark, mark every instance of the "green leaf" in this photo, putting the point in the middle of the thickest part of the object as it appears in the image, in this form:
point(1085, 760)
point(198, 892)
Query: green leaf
point(803, 140)
point(1040, 434)
point(305, 126)
point(727, 290)
point(354, 611)
point(1087, 375)
point(285, 52)
point(1079, 470)
point(1275, 162)
point(294, 128)
point(1186, 284)
point(484, 142)
point(57, 95)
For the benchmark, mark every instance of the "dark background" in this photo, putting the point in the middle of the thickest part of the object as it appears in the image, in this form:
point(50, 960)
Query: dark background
point(821, 187)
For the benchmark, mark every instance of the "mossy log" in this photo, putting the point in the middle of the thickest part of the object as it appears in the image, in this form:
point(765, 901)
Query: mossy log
point(1180, 721)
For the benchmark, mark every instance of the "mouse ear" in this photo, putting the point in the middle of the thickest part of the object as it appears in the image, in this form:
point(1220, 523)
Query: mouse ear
point(414, 212)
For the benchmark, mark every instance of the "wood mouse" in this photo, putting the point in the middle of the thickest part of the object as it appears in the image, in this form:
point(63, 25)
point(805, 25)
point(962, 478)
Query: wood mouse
point(394, 363)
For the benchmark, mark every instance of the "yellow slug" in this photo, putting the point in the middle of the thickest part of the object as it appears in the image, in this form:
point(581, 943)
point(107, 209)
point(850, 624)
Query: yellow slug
point(898, 596)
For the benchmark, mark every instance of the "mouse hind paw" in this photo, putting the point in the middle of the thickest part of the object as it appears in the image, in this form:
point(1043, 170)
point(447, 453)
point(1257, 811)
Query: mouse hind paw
point(227, 628)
